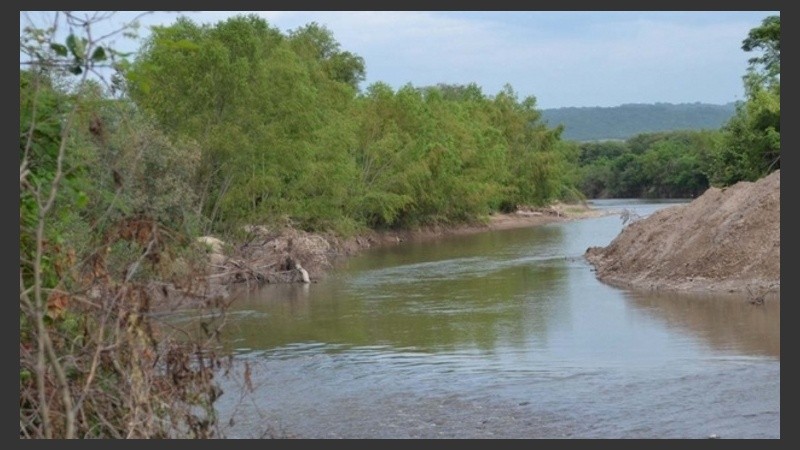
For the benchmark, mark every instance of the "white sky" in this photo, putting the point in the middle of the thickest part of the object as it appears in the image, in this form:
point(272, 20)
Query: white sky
point(562, 58)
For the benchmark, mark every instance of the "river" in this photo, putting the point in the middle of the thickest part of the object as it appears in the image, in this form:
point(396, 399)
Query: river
point(502, 334)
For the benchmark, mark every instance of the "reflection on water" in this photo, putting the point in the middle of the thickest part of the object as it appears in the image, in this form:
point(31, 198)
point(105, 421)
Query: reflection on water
point(504, 334)
point(729, 323)
point(432, 297)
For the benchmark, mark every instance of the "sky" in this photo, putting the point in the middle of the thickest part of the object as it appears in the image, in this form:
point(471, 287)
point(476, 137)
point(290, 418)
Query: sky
point(563, 59)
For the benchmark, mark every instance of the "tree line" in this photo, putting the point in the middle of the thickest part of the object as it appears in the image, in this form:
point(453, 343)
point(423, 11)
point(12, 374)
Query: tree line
point(622, 122)
point(212, 127)
point(285, 132)
point(684, 163)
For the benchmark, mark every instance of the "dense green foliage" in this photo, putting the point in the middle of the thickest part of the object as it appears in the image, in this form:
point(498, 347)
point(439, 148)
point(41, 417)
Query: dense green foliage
point(752, 138)
point(684, 163)
point(625, 121)
point(248, 124)
point(116, 166)
point(217, 126)
point(106, 207)
point(285, 134)
point(655, 165)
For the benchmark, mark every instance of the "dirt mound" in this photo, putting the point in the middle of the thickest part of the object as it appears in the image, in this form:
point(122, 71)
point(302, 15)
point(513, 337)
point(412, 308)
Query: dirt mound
point(725, 240)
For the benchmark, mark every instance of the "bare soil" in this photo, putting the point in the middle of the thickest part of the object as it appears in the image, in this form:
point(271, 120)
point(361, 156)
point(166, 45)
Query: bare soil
point(521, 218)
point(274, 255)
point(726, 240)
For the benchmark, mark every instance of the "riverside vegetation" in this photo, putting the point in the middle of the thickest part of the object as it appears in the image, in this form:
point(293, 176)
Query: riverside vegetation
point(216, 129)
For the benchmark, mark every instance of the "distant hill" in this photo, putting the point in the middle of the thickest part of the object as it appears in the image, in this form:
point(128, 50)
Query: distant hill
point(624, 121)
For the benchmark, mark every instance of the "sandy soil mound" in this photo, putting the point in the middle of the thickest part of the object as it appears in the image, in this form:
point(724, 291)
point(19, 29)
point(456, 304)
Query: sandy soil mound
point(725, 240)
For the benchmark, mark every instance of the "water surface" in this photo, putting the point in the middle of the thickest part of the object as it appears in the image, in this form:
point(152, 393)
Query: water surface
point(503, 334)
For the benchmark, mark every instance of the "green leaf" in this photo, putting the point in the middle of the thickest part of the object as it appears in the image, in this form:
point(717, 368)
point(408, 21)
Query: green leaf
point(71, 43)
point(99, 54)
point(76, 69)
point(59, 49)
point(76, 46)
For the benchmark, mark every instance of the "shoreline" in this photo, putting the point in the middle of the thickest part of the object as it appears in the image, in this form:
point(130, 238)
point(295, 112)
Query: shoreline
point(767, 290)
point(523, 218)
point(271, 256)
point(725, 240)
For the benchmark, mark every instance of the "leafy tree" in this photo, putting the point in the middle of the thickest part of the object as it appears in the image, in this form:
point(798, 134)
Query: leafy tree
point(270, 112)
point(318, 44)
point(106, 209)
point(285, 133)
point(531, 157)
point(766, 38)
point(664, 165)
point(751, 145)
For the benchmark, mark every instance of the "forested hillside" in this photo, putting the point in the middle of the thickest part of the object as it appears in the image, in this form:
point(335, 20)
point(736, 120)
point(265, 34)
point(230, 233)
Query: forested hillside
point(625, 121)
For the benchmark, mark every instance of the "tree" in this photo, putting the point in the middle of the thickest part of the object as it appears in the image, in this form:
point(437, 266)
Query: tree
point(269, 110)
point(766, 38)
point(752, 138)
point(318, 44)
point(105, 203)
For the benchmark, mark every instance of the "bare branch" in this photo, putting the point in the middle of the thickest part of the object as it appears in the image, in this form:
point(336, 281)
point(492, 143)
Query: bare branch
point(116, 339)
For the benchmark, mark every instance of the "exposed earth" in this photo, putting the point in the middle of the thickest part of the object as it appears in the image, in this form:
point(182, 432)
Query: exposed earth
point(726, 240)
point(270, 255)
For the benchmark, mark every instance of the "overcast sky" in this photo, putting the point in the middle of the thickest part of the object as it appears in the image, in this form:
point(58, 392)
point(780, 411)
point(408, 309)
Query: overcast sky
point(562, 58)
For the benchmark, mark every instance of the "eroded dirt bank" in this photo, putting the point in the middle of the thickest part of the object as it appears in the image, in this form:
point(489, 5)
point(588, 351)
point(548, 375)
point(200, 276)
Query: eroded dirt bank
point(726, 240)
point(277, 255)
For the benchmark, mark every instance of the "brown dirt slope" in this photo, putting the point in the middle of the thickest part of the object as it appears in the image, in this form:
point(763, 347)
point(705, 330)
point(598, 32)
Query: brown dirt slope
point(725, 240)
point(273, 255)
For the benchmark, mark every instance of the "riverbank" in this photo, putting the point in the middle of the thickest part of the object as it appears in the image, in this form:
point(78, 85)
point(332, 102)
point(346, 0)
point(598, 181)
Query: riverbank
point(503, 334)
point(269, 256)
point(522, 218)
point(726, 240)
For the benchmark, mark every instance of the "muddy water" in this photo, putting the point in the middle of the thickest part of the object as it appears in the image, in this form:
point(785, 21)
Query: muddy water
point(504, 334)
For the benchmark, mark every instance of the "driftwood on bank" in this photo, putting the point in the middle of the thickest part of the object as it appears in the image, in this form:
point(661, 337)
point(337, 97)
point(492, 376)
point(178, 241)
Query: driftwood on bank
point(268, 257)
